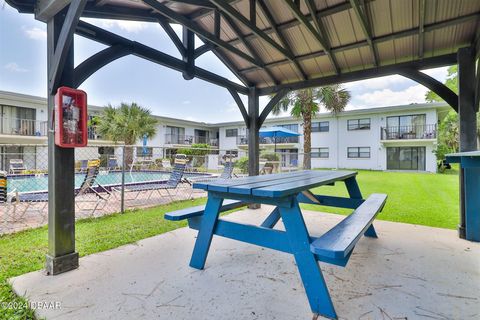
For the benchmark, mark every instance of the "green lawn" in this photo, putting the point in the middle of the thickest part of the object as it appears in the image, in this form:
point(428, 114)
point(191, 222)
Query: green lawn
point(428, 199)
point(418, 198)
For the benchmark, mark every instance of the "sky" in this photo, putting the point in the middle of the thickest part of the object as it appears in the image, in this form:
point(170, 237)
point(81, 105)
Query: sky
point(130, 79)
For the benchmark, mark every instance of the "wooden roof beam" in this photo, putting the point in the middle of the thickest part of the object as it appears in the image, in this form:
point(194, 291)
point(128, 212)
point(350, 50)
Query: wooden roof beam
point(361, 13)
point(178, 18)
point(421, 28)
point(280, 36)
point(380, 39)
point(247, 44)
point(323, 33)
point(227, 9)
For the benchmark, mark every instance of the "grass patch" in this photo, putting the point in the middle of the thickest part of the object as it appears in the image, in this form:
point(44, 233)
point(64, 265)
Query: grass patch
point(416, 198)
point(25, 251)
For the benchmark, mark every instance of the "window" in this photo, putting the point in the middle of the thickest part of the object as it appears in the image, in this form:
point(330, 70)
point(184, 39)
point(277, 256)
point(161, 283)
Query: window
point(322, 126)
point(358, 152)
point(406, 158)
point(359, 124)
point(231, 133)
point(291, 127)
point(320, 153)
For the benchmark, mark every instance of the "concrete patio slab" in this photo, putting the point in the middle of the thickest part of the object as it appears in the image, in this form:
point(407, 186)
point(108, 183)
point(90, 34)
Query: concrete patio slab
point(409, 272)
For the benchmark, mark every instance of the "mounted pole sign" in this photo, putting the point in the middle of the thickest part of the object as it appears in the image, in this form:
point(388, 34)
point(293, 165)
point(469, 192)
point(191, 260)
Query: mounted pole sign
point(70, 118)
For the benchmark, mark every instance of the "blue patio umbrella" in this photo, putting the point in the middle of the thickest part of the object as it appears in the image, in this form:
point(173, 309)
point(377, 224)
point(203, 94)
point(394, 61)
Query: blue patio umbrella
point(274, 132)
point(144, 150)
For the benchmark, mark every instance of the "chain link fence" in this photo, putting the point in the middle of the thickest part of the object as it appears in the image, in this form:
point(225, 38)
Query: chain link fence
point(115, 178)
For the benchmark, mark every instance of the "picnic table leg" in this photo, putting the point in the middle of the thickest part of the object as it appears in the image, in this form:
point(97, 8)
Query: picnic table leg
point(272, 219)
point(205, 232)
point(310, 272)
point(354, 193)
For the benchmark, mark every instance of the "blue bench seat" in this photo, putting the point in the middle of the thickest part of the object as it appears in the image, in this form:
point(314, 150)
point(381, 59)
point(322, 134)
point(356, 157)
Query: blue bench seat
point(198, 210)
point(337, 244)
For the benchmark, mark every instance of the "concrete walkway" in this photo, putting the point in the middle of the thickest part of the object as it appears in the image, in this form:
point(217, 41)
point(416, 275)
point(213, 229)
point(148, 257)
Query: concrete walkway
point(410, 272)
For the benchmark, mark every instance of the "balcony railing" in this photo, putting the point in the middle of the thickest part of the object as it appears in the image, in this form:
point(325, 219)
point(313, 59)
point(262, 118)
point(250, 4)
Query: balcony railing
point(23, 127)
point(427, 131)
point(243, 140)
point(188, 139)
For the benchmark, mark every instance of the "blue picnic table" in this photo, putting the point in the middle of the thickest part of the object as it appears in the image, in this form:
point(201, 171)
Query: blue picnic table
point(285, 191)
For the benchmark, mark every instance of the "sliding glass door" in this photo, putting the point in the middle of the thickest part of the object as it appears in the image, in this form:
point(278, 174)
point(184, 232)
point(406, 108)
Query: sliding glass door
point(406, 158)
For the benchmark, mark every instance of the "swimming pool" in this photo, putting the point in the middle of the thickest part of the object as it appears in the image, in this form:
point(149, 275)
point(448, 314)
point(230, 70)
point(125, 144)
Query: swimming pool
point(39, 183)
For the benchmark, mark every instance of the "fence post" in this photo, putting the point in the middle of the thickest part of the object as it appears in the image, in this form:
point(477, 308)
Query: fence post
point(122, 195)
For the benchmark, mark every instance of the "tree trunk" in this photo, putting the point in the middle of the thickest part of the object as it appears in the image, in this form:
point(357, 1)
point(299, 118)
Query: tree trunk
point(307, 142)
point(128, 153)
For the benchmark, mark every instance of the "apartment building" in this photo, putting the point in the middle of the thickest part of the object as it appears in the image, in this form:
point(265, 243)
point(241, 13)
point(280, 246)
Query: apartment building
point(385, 138)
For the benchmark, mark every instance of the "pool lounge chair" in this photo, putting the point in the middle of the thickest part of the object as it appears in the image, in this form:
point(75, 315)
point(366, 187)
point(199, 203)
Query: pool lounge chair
point(112, 163)
point(227, 173)
point(16, 166)
point(101, 194)
point(167, 165)
point(176, 177)
point(83, 166)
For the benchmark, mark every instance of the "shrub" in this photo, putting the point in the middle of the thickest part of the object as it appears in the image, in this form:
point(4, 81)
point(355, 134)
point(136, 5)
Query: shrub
point(242, 164)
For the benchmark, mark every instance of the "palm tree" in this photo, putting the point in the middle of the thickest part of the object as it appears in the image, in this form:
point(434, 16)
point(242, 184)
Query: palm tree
point(305, 104)
point(127, 123)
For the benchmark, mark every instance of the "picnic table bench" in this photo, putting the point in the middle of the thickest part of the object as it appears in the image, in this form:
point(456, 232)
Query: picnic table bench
point(285, 191)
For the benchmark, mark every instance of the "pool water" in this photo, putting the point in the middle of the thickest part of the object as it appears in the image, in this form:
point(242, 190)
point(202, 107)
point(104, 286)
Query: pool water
point(40, 182)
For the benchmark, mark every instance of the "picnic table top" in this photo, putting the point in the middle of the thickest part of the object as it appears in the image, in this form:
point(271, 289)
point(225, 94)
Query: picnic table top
point(275, 185)
point(452, 156)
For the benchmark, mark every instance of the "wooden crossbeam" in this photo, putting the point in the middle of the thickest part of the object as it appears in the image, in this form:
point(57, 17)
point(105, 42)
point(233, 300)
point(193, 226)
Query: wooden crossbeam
point(380, 71)
point(361, 14)
point(100, 35)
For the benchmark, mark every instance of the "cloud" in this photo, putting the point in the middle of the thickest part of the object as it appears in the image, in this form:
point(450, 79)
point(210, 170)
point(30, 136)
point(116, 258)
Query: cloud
point(14, 67)
point(186, 102)
point(128, 26)
point(388, 97)
point(376, 83)
point(35, 33)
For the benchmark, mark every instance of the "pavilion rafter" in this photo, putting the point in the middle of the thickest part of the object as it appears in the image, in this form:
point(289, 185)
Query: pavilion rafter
point(361, 13)
point(320, 39)
point(227, 9)
point(377, 40)
point(178, 18)
point(280, 36)
point(247, 44)
point(421, 28)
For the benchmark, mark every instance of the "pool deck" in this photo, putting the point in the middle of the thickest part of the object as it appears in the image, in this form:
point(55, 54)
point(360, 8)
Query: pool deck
point(35, 215)
point(409, 272)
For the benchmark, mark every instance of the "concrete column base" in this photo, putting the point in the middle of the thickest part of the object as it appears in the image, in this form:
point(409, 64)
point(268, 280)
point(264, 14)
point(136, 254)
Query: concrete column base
point(57, 265)
point(461, 232)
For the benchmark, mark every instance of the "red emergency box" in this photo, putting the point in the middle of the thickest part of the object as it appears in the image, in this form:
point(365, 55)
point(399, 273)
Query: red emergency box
point(70, 118)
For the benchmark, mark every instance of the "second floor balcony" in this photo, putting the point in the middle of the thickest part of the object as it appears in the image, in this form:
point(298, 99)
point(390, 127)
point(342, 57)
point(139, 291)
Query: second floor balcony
point(243, 140)
point(33, 128)
point(426, 131)
point(23, 127)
